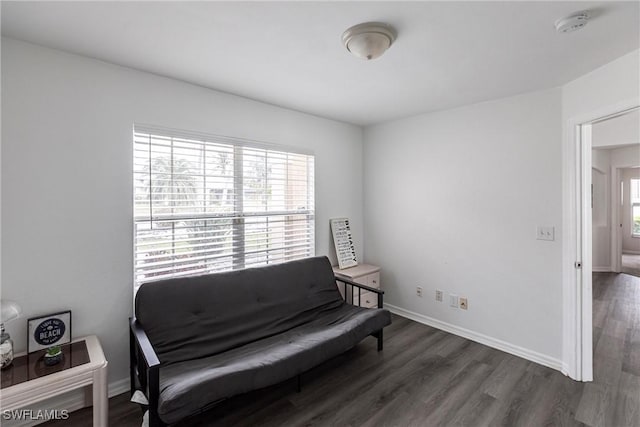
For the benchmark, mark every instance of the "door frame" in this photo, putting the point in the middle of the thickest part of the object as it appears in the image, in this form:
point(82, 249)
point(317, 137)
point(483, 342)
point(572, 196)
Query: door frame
point(577, 328)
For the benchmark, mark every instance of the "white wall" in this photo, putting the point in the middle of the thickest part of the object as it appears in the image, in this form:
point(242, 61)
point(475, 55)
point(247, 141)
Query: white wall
point(630, 244)
point(67, 178)
point(452, 202)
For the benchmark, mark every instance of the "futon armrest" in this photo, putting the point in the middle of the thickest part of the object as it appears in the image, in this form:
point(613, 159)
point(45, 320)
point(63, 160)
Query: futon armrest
point(144, 344)
point(360, 285)
point(144, 369)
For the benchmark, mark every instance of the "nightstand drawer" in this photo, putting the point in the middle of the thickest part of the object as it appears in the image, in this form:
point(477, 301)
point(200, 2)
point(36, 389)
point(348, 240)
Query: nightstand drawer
point(367, 299)
point(373, 280)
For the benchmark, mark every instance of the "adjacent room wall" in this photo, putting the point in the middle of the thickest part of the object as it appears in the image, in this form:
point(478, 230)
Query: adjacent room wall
point(67, 179)
point(452, 202)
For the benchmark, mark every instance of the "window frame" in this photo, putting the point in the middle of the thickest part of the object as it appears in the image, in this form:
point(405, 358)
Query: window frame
point(634, 202)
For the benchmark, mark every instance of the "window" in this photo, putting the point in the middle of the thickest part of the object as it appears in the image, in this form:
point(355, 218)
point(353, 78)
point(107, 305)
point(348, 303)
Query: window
point(206, 204)
point(635, 207)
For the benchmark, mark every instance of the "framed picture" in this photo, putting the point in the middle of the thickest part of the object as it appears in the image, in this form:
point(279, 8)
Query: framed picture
point(46, 331)
point(343, 242)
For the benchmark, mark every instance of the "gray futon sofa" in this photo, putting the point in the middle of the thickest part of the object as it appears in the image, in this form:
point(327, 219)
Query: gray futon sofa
point(198, 340)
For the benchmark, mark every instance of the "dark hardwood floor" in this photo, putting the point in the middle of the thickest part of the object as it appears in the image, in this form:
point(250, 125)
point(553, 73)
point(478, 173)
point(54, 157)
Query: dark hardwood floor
point(427, 377)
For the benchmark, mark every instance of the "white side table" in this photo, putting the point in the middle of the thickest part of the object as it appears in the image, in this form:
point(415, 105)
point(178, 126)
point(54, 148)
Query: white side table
point(27, 381)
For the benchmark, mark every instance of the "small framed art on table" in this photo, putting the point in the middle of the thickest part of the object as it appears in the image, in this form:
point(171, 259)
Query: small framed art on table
point(49, 330)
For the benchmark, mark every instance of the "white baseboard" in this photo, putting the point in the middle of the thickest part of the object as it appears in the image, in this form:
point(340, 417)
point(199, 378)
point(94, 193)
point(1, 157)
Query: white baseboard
point(601, 269)
point(565, 370)
point(119, 387)
point(516, 350)
point(71, 401)
point(626, 252)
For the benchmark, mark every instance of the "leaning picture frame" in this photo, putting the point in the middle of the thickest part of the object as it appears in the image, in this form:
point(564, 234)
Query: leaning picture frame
point(343, 242)
point(48, 330)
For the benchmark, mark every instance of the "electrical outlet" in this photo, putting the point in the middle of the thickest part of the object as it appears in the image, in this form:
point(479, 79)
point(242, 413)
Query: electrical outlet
point(419, 291)
point(463, 303)
point(438, 295)
point(545, 233)
point(453, 300)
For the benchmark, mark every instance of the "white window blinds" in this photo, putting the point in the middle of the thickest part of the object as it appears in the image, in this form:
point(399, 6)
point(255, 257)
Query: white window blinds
point(205, 204)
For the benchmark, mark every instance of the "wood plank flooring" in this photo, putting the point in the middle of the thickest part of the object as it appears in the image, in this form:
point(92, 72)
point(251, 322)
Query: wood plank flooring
point(631, 264)
point(427, 377)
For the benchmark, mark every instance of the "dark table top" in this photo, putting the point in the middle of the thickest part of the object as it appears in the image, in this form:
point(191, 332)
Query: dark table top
point(31, 366)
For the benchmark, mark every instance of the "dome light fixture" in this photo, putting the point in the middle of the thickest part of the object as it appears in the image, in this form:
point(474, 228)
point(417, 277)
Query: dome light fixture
point(572, 23)
point(369, 40)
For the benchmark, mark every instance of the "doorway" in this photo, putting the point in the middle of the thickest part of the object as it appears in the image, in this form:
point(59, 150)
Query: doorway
point(579, 310)
point(610, 156)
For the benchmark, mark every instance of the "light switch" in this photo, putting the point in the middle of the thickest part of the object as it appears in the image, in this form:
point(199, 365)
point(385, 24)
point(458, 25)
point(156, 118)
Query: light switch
point(453, 300)
point(545, 233)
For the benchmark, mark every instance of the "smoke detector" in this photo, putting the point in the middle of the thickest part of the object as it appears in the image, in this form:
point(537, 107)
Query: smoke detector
point(572, 22)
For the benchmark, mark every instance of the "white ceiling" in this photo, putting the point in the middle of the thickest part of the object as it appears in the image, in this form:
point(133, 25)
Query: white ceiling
point(290, 54)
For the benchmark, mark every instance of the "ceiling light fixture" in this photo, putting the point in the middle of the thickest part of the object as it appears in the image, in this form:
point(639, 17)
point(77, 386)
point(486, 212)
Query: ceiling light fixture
point(572, 22)
point(369, 40)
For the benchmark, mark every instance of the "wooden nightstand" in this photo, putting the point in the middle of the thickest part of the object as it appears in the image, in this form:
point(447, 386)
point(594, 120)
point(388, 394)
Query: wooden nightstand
point(364, 274)
point(29, 381)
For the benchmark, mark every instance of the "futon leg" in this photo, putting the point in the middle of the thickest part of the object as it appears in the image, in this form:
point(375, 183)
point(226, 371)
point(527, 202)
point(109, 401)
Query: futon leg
point(379, 336)
point(154, 420)
point(299, 384)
